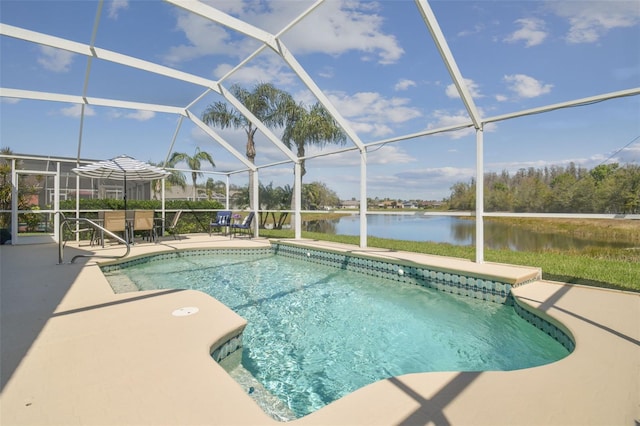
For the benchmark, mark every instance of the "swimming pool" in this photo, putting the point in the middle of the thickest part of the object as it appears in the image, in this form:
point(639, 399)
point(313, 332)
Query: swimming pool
point(316, 332)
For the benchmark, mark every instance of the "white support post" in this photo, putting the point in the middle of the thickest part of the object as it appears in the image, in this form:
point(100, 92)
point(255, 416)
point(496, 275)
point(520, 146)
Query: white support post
point(56, 204)
point(363, 198)
point(297, 187)
point(226, 195)
point(256, 204)
point(164, 213)
point(479, 196)
point(14, 203)
point(77, 215)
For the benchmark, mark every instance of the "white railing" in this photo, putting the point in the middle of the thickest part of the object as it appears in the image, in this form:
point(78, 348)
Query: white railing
point(95, 226)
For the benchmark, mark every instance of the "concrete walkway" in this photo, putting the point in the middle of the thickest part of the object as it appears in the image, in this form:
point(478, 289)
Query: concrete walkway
point(75, 353)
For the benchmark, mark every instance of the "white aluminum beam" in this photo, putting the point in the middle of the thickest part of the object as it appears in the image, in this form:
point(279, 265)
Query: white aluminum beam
point(423, 133)
point(318, 93)
point(208, 130)
point(85, 86)
point(568, 104)
point(479, 196)
point(363, 199)
point(255, 226)
point(297, 208)
point(107, 55)
point(449, 61)
point(44, 39)
point(222, 18)
point(280, 33)
point(76, 99)
point(173, 141)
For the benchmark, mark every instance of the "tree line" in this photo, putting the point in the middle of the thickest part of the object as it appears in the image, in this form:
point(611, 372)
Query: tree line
point(315, 195)
point(607, 188)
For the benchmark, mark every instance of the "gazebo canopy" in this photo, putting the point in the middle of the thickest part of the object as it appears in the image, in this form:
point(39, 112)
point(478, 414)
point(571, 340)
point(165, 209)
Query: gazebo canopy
point(122, 167)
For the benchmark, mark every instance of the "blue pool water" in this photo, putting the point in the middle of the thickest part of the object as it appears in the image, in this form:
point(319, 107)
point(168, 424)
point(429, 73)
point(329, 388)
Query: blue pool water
point(316, 333)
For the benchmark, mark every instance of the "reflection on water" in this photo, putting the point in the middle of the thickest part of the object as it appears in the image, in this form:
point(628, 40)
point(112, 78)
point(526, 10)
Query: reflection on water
point(443, 229)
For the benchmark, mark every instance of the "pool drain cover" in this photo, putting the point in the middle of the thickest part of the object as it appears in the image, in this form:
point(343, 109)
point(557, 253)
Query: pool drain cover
point(183, 312)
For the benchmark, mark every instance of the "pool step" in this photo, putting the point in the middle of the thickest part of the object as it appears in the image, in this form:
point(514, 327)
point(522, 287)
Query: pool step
point(270, 404)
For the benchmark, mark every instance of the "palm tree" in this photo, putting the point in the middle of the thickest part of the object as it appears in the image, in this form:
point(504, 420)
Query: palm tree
point(265, 102)
point(274, 199)
point(193, 163)
point(313, 126)
point(174, 178)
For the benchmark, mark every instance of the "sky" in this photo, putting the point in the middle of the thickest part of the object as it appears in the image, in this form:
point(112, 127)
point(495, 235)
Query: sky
point(376, 63)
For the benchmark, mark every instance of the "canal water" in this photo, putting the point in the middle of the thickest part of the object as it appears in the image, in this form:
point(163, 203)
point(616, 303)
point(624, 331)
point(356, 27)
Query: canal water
point(453, 230)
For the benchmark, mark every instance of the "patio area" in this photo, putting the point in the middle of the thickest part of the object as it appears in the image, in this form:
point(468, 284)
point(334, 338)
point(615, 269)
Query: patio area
point(73, 353)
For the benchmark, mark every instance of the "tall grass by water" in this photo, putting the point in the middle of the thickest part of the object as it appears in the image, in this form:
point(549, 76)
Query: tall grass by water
point(594, 266)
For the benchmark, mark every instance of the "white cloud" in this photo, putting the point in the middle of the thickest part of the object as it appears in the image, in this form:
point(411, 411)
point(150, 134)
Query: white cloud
point(116, 6)
point(388, 154)
point(206, 38)
point(472, 86)
point(270, 16)
point(590, 20)
point(443, 118)
point(76, 109)
point(372, 113)
point(338, 27)
point(342, 26)
point(262, 71)
point(348, 159)
point(532, 32)
point(629, 154)
point(525, 86)
point(404, 84)
point(56, 60)
point(377, 155)
point(477, 29)
point(452, 174)
point(10, 100)
point(372, 106)
point(374, 129)
point(446, 119)
point(433, 183)
point(141, 115)
point(501, 98)
point(326, 72)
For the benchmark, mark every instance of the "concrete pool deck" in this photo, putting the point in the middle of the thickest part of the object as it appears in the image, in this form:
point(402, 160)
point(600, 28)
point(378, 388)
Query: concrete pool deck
point(75, 353)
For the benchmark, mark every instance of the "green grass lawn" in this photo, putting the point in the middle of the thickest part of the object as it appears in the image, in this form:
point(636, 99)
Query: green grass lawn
point(611, 268)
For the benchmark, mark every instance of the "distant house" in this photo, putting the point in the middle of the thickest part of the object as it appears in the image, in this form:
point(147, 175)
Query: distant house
point(349, 204)
point(387, 204)
point(175, 192)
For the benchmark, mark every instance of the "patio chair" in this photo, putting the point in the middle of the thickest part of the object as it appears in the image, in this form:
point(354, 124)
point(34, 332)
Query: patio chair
point(143, 222)
point(173, 227)
point(245, 226)
point(115, 221)
point(223, 220)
